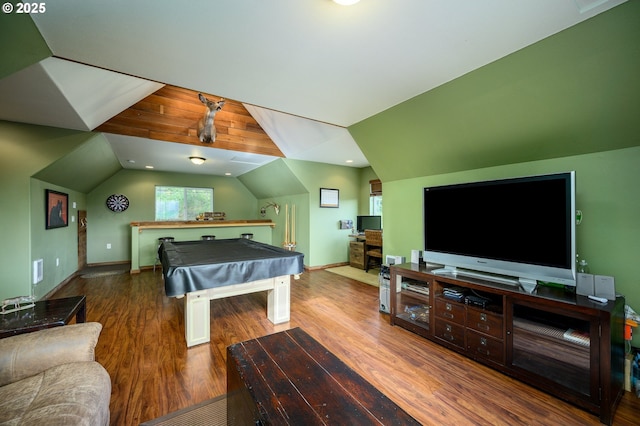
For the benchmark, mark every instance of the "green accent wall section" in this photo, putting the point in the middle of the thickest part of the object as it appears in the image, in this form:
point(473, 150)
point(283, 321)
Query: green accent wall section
point(58, 248)
point(573, 93)
point(272, 180)
point(22, 44)
point(85, 167)
point(318, 233)
point(26, 150)
point(328, 244)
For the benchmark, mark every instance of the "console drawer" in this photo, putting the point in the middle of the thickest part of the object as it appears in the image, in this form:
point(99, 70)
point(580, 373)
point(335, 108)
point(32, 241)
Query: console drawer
point(485, 322)
point(485, 347)
point(449, 310)
point(450, 332)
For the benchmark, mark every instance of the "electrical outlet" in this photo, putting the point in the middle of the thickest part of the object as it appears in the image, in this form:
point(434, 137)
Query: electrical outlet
point(108, 246)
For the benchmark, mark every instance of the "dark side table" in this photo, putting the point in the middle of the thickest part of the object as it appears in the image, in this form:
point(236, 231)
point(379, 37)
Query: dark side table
point(45, 314)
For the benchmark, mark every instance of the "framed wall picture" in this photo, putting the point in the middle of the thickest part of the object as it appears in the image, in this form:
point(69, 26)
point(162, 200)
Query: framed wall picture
point(57, 209)
point(329, 197)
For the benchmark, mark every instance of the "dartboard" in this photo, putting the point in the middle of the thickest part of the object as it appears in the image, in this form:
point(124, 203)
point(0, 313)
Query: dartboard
point(117, 202)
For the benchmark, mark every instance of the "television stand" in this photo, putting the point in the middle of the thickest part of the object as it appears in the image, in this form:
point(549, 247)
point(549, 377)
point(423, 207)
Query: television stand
point(562, 343)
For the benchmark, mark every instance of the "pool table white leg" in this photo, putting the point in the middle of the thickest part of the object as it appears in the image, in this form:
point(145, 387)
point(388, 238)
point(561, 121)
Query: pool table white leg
point(279, 300)
point(196, 318)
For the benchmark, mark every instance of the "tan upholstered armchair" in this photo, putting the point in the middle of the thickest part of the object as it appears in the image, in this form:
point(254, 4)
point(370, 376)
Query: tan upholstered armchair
point(50, 377)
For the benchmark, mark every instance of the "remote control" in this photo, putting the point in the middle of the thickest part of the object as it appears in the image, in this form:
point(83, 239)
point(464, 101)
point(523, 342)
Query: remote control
point(598, 299)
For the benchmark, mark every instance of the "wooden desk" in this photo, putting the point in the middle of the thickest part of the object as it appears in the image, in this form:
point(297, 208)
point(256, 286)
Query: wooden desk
point(288, 378)
point(356, 253)
point(45, 314)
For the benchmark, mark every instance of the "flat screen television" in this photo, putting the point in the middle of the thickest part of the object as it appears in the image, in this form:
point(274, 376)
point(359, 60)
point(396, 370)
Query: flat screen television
point(517, 231)
point(368, 222)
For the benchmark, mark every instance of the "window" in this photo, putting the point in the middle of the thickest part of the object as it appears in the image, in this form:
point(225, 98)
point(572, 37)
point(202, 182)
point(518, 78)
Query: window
point(182, 203)
point(375, 197)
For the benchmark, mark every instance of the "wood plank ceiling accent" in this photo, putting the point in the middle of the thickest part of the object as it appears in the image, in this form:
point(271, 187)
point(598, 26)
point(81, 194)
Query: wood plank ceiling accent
point(171, 114)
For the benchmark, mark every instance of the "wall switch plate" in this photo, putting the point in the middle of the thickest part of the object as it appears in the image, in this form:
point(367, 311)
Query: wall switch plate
point(108, 246)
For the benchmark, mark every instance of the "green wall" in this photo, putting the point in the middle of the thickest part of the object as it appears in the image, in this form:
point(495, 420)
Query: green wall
point(318, 233)
point(26, 150)
point(106, 227)
point(328, 243)
point(58, 248)
point(22, 44)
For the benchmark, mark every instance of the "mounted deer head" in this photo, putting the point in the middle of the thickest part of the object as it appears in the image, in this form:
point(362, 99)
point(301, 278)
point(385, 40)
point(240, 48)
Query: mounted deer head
point(206, 129)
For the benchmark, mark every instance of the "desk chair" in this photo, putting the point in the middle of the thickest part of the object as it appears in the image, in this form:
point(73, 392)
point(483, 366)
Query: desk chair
point(372, 247)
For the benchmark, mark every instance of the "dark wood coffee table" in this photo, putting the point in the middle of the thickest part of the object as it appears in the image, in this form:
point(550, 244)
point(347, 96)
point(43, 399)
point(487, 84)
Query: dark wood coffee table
point(45, 314)
point(289, 378)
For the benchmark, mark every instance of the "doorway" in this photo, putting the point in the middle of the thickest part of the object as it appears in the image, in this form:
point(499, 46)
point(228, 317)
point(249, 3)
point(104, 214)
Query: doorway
point(82, 239)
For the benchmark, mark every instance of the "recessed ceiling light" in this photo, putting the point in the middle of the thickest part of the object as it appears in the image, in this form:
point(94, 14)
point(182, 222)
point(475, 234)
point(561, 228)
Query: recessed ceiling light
point(197, 160)
point(148, 167)
point(131, 161)
point(346, 2)
point(349, 161)
point(227, 174)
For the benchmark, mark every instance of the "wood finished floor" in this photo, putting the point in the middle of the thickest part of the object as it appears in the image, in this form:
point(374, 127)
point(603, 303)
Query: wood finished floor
point(153, 373)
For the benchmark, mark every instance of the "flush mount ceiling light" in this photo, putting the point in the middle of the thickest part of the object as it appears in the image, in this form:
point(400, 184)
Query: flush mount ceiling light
point(197, 160)
point(346, 2)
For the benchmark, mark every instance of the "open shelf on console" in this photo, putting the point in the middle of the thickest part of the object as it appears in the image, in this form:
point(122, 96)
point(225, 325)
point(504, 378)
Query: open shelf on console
point(554, 346)
point(413, 302)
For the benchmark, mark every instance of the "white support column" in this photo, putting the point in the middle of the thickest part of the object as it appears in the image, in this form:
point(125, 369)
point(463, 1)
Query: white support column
point(197, 318)
point(279, 300)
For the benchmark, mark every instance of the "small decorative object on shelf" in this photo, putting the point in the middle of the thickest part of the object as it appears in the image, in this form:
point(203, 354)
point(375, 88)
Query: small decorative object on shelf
point(583, 267)
point(211, 216)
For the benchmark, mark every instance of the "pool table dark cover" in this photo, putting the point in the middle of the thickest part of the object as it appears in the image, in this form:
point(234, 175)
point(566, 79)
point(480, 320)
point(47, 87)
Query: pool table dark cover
point(199, 265)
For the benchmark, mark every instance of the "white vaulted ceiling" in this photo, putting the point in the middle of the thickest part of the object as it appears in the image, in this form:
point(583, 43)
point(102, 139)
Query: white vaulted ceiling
point(305, 69)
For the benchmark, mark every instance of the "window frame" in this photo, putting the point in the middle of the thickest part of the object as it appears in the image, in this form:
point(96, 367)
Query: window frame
point(187, 211)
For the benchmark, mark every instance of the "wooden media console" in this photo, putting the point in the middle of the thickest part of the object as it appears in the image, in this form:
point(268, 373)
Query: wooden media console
point(563, 343)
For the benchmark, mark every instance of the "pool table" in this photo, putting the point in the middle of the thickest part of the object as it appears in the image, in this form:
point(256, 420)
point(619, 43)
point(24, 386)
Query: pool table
point(205, 270)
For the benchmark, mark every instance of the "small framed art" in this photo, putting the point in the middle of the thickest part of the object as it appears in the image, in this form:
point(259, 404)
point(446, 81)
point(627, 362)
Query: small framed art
point(329, 197)
point(57, 209)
